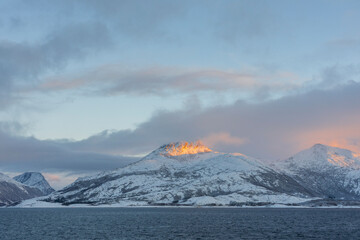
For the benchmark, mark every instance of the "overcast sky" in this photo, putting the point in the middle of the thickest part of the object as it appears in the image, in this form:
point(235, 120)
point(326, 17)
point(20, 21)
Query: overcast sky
point(87, 86)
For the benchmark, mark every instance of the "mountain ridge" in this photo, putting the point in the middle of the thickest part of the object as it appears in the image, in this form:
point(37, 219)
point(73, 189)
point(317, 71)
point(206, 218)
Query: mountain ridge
point(325, 156)
point(329, 171)
point(204, 177)
point(317, 176)
point(35, 179)
point(13, 192)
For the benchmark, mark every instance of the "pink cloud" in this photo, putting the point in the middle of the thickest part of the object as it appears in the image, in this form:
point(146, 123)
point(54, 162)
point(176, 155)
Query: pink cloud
point(222, 138)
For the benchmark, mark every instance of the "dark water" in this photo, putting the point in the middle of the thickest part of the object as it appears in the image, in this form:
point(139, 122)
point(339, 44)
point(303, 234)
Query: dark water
point(179, 223)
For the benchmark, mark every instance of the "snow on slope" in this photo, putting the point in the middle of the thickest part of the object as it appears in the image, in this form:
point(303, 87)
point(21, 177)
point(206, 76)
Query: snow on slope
point(169, 175)
point(12, 192)
point(35, 179)
point(323, 157)
point(331, 172)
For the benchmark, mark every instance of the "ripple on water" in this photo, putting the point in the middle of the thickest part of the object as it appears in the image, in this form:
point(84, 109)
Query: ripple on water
point(179, 223)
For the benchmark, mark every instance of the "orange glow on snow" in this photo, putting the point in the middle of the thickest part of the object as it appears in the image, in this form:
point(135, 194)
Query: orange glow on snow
point(186, 148)
point(339, 160)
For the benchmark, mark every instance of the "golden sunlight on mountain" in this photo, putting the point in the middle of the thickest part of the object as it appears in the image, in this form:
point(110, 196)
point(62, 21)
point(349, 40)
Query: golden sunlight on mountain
point(176, 149)
point(339, 160)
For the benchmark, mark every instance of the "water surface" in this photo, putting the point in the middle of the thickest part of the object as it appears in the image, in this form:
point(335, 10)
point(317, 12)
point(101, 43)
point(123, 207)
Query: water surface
point(179, 223)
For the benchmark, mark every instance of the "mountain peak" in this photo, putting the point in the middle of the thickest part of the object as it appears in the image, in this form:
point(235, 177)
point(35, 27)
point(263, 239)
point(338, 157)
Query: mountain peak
point(35, 179)
point(325, 156)
point(181, 148)
point(319, 146)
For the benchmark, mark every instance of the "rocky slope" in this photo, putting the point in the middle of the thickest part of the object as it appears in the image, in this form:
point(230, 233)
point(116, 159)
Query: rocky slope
point(35, 179)
point(12, 192)
point(187, 174)
point(329, 172)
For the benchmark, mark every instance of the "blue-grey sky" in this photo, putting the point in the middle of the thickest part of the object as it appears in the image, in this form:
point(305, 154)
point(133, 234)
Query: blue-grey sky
point(87, 85)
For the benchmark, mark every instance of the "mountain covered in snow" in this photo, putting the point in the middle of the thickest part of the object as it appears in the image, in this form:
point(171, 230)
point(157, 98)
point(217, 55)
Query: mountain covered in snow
point(37, 180)
point(329, 172)
point(12, 192)
point(191, 174)
point(187, 174)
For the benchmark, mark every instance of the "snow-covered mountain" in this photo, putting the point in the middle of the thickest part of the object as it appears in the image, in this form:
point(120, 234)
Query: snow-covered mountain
point(12, 192)
point(186, 174)
point(35, 179)
point(329, 172)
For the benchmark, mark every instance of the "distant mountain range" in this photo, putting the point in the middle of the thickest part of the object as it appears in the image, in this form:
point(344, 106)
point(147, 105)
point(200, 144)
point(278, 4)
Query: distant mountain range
point(13, 192)
point(191, 174)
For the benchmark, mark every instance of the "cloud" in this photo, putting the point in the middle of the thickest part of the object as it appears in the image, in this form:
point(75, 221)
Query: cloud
point(130, 19)
point(322, 110)
point(137, 19)
point(52, 177)
point(20, 154)
point(222, 138)
point(156, 19)
point(269, 130)
point(334, 76)
point(163, 81)
point(239, 20)
point(21, 63)
point(11, 127)
point(343, 136)
point(345, 42)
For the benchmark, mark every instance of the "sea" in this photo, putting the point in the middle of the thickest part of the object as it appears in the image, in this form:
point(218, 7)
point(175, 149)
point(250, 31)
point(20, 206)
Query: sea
point(179, 223)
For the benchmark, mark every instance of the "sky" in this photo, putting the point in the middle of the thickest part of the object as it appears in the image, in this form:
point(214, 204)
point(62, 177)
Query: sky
point(88, 86)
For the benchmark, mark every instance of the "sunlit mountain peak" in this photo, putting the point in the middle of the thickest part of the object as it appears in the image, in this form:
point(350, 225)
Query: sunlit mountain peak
point(181, 148)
